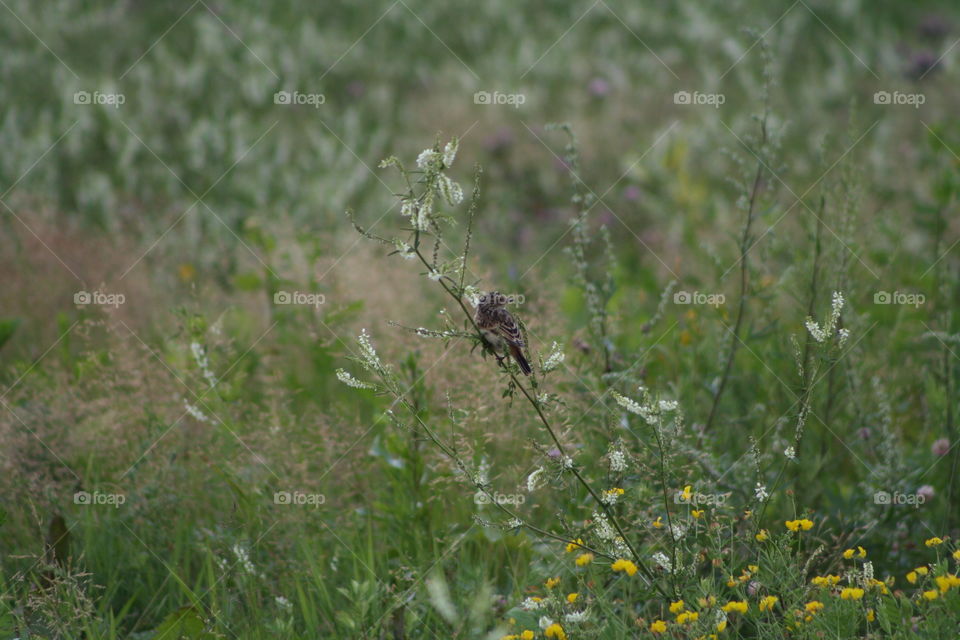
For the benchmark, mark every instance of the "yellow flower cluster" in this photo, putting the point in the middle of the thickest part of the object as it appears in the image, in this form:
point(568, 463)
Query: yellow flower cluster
point(825, 581)
point(736, 606)
point(762, 535)
point(687, 617)
point(851, 593)
point(859, 552)
point(555, 631)
point(551, 583)
point(584, 559)
point(573, 546)
point(767, 603)
point(798, 525)
point(526, 635)
point(624, 565)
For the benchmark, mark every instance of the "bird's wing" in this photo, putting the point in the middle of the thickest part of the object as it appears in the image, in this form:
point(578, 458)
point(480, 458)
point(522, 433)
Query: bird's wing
point(508, 328)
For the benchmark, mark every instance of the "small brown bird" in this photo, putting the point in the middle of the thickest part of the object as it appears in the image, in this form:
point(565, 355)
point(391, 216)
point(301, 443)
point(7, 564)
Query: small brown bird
point(499, 327)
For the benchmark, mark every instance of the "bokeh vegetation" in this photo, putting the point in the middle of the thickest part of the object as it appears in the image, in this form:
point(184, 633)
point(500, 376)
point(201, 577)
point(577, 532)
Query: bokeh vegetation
point(202, 400)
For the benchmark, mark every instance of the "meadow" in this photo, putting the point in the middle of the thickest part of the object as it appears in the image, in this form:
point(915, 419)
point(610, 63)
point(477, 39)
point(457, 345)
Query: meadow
point(243, 393)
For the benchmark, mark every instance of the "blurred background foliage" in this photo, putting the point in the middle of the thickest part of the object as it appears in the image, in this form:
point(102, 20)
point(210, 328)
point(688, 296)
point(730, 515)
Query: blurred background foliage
point(199, 198)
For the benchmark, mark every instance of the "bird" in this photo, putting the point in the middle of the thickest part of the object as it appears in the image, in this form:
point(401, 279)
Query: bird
point(500, 329)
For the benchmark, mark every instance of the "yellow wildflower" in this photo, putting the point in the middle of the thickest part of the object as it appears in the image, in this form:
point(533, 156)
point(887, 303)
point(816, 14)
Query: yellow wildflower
point(527, 635)
point(933, 542)
point(956, 555)
point(572, 597)
point(696, 513)
point(551, 583)
point(657, 524)
point(871, 616)
point(555, 631)
point(573, 546)
point(797, 525)
point(584, 559)
point(947, 581)
point(825, 581)
point(813, 606)
point(912, 577)
point(933, 594)
point(686, 494)
point(922, 570)
point(624, 565)
point(762, 535)
point(658, 626)
point(676, 607)
point(721, 626)
point(768, 603)
point(735, 606)
point(851, 593)
point(709, 601)
point(687, 617)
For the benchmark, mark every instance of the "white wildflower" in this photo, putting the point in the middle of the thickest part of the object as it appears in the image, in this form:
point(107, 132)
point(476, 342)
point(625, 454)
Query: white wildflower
point(450, 190)
point(843, 334)
point(195, 412)
point(368, 355)
point(668, 405)
point(822, 334)
point(427, 158)
point(603, 528)
point(534, 480)
point(347, 379)
point(450, 152)
point(434, 275)
point(514, 523)
point(663, 561)
point(545, 622)
point(618, 461)
point(405, 250)
point(760, 492)
point(576, 617)
point(200, 356)
point(567, 462)
point(678, 530)
point(283, 603)
point(790, 453)
point(555, 358)
point(530, 604)
point(868, 571)
point(243, 559)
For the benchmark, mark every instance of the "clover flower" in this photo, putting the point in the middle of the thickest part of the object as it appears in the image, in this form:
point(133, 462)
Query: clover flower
point(347, 379)
point(555, 359)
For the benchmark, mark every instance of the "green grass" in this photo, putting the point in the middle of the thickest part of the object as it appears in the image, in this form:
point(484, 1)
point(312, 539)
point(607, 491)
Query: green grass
point(200, 199)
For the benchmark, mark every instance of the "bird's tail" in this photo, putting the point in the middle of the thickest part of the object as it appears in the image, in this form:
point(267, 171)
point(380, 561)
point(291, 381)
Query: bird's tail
point(518, 356)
